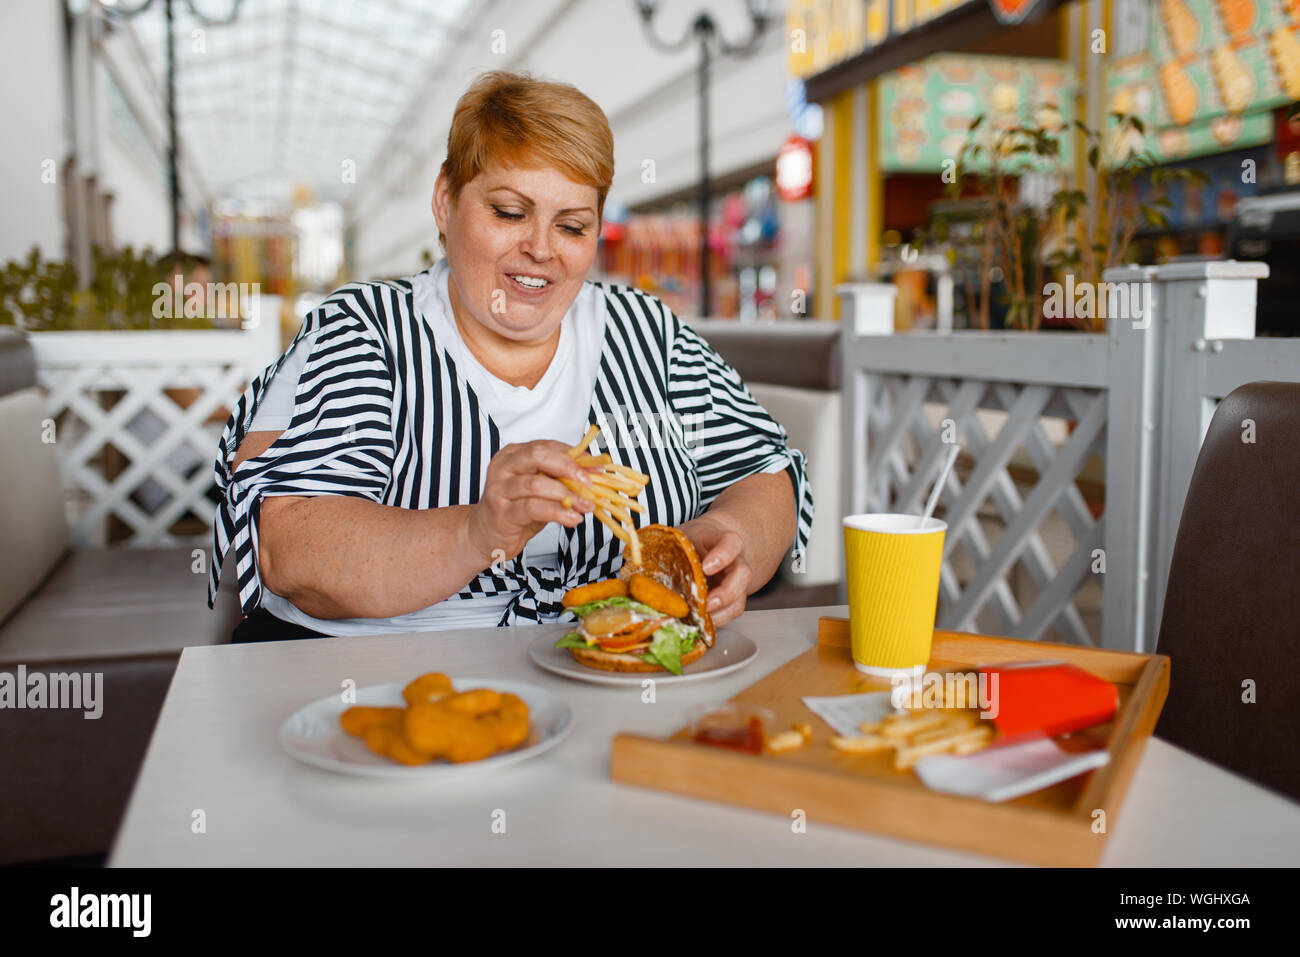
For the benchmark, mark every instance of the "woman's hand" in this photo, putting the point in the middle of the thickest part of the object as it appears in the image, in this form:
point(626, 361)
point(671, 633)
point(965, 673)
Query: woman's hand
point(722, 553)
point(517, 501)
point(742, 539)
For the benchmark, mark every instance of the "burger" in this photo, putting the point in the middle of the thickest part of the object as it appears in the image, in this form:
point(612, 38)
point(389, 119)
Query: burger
point(652, 617)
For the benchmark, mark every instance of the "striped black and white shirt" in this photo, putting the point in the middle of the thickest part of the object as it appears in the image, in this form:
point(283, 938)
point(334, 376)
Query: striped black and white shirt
point(383, 410)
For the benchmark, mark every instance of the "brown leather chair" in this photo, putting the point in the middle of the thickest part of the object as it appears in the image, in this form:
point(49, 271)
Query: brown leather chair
point(1232, 607)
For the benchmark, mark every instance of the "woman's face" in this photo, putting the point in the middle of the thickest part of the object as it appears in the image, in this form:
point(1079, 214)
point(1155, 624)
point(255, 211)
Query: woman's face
point(520, 243)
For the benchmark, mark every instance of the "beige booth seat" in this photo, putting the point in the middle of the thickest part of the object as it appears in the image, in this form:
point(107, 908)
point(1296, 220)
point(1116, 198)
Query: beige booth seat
point(792, 369)
point(123, 613)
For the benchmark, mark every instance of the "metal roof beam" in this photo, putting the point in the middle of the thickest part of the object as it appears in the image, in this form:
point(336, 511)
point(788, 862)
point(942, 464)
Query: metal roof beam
point(196, 64)
point(449, 25)
point(365, 69)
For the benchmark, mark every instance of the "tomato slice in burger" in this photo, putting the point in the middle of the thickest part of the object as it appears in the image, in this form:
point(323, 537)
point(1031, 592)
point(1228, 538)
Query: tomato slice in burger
point(632, 637)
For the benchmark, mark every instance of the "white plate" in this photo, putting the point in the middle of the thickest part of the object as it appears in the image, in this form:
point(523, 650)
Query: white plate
point(731, 651)
point(312, 734)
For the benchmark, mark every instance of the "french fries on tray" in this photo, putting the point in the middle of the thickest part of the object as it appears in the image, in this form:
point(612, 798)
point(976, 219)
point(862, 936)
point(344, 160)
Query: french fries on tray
point(916, 734)
point(613, 491)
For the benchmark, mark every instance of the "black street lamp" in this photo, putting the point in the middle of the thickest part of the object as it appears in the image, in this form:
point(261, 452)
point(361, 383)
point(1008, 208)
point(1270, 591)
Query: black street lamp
point(705, 31)
point(120, 9)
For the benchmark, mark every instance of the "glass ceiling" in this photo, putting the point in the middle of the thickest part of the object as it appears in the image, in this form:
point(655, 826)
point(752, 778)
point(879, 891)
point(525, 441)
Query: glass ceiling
point(292, 89)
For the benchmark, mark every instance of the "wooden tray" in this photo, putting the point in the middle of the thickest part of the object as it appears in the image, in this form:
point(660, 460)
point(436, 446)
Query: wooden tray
point(1054, 826)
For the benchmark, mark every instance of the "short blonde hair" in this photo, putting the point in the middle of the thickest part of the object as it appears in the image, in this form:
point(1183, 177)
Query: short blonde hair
point(515, 119)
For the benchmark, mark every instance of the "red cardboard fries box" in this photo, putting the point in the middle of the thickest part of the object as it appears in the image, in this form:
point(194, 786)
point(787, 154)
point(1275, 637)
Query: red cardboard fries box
point(1048, 696)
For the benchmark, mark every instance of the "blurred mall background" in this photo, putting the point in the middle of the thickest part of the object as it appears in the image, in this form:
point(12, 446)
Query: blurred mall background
point(309, 132)
point(292, 145)
point(919, 167)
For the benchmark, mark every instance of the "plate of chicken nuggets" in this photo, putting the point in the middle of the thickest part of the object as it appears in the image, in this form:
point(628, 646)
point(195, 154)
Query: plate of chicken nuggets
point(431, 726)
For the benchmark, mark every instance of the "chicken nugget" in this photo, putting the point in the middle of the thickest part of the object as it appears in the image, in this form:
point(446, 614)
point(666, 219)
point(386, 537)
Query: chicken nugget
point(610, 588)
point(427, 688)
point(471, 740)
point(476, 702)
point(649, 592)
point(509, 725)
point(512, 706)
point(428, 728)
point(357, 719)
point(388, 740)
point(508, 730)
point(441, 732)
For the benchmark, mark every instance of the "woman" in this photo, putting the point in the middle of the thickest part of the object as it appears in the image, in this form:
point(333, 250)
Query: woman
point(398, 469)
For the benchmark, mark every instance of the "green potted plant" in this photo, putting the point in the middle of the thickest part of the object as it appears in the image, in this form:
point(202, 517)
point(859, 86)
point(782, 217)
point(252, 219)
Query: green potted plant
point(44, 295)
point(988, 231)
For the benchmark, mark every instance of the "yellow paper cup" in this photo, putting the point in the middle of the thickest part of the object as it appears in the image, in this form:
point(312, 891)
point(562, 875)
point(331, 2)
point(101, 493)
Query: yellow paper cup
point(892, 565)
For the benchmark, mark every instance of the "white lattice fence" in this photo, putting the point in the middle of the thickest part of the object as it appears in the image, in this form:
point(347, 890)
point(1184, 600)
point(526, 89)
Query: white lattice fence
point(1035, 416)
point(1140, 397)
point(119, 390)
point(911, 421)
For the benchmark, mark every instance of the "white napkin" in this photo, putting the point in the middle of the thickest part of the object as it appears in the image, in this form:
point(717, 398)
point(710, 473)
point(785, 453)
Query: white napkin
point(845, 712)
point(1006, 771)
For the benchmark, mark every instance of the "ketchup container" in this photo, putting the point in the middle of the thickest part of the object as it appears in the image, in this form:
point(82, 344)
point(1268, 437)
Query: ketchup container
point(741, 727)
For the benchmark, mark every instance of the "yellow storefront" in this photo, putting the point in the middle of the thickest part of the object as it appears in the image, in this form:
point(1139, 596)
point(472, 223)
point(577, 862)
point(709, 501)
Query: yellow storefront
point(1111, 54)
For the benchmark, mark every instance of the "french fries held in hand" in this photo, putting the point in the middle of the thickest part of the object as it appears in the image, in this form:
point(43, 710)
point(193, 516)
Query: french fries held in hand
point(613, 490)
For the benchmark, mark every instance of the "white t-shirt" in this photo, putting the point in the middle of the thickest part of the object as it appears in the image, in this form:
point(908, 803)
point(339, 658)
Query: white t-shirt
point(556, 408)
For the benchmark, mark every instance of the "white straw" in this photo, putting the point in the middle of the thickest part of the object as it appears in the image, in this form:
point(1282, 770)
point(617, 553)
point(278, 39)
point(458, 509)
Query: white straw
point(939, 484)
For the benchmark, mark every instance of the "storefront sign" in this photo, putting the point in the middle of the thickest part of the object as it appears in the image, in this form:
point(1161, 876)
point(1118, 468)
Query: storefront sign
point(826, 32)
point(1209, 72)
point(926, 109)
point(794, 169)
point(1012, 11)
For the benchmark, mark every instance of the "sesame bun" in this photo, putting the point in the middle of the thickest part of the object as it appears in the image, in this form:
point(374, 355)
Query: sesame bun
point(668, 557)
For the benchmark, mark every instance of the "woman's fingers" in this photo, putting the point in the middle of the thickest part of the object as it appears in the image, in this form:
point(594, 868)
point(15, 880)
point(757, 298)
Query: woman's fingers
point(541, 511)
point(724, 551)
point(535, 485)
point(727, 600)
point(523, 487)
point(546, 456)
point(732, 589)
point(523, 516)
point(562, 467)
point(725, 616)
point(729, 574)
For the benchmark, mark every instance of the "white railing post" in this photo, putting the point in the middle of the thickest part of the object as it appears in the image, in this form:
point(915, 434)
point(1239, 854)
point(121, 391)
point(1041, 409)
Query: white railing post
point(1201, 304)
point(262, 325)
point(855, 405)
point(868, 307)
point(1132, 454)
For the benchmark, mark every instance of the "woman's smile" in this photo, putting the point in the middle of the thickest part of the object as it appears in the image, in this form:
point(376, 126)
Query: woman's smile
point(529, 284)
point(520, 242)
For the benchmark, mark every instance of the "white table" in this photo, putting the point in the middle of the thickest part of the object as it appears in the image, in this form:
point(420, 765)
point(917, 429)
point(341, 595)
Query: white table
point(215, 748)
